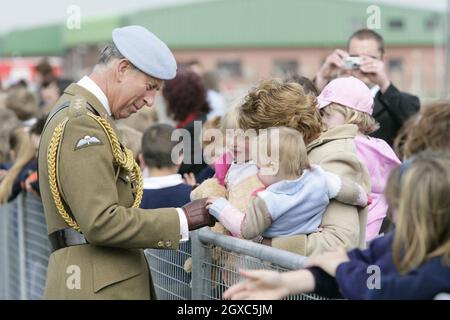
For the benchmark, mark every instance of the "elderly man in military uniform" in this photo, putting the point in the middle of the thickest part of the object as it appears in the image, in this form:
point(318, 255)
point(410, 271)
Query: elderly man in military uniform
point(91, 186)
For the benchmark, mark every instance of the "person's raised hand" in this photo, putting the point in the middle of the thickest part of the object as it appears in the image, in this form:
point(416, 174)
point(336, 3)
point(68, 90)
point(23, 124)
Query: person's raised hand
point(375, 71)
point(330, 68)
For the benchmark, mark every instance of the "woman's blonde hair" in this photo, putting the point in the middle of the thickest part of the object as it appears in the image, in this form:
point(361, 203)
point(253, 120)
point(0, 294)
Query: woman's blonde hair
point(20, 142)
point(418, 193)
point(290, 152)
point(274, 103)
point(429, 129)
point(365, 122)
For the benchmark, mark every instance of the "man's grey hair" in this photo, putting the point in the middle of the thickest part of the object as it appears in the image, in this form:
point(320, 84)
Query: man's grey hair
point(109, 53)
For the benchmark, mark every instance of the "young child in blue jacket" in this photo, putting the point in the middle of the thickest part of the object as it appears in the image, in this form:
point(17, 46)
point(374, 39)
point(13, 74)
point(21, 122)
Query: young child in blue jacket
point(412, 262)
point(164, 187)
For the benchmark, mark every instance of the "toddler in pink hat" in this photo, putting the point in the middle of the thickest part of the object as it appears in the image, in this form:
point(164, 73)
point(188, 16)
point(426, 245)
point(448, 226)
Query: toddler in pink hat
point(349, 101)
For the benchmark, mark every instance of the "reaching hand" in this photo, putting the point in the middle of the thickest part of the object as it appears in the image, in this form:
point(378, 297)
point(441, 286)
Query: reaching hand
point(259, 285)
point(329, 261)
point(330, 68)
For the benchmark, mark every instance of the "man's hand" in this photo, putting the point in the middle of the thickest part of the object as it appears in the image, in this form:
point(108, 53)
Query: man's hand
point(329, 261)
point(374, 69)
point(330, 68)
point(197, 215)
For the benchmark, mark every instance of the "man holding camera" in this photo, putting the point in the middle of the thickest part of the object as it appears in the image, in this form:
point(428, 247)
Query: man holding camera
point(364, 60)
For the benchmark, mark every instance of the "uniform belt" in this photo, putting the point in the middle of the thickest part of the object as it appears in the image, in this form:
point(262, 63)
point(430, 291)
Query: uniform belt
point(66, 238)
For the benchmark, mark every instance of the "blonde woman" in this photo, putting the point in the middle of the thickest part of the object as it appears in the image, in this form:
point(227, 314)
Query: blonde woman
point(413, 262)
point(277, 103)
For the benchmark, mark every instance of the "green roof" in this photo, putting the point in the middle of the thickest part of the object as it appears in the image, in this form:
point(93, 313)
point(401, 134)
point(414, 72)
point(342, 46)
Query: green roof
point(37, 41)
point(240, 24)
point(280, 23)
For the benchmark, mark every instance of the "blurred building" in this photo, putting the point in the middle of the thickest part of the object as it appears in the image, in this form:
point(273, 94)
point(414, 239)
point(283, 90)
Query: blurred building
point(246, 40)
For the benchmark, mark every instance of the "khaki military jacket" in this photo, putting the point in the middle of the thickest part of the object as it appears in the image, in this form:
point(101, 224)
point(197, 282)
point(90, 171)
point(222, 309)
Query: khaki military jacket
point(98, 195)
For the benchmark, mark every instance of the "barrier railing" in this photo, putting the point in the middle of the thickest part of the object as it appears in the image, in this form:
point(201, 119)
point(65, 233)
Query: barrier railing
point(202, 268)
point(215, 261)
point(24, 249)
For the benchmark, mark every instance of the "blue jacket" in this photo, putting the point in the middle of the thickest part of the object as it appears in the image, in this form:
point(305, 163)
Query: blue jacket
point(165, 192)
point(297, 206)
point(171, 197)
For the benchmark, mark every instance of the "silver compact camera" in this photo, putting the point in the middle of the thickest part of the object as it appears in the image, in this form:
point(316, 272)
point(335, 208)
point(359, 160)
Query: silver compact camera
point(352, 63)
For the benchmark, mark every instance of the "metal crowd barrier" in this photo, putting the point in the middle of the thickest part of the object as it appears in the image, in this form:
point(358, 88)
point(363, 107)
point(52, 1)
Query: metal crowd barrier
point(213, 258)
point(215, 262)
point(24, 249)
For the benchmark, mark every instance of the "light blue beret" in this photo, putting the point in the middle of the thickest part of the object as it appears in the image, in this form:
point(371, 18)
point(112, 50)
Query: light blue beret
point(145, 51)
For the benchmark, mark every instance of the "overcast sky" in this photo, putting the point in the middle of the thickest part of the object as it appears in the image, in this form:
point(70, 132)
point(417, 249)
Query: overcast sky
point(25, 13)
point(20, 14)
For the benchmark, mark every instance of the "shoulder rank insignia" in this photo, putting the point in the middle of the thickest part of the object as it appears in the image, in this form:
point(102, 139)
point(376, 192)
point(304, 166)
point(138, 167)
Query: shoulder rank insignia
point(87, 141)
point(77, 107)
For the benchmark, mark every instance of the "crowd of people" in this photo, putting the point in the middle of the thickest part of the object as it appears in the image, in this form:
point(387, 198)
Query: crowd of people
point(358, 173)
